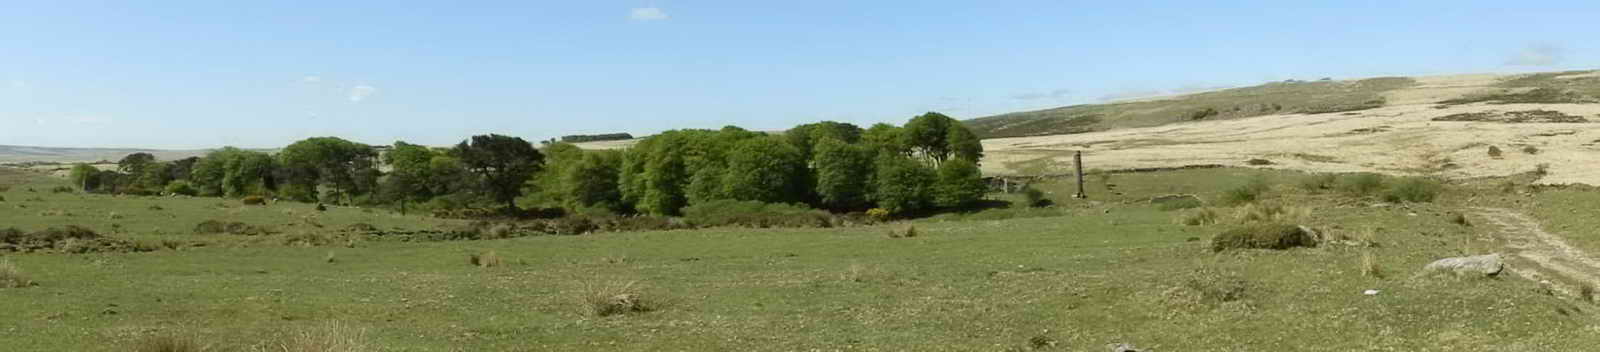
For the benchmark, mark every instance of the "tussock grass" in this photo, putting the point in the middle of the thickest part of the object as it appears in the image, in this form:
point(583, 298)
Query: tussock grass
point(604, 299)
point(488, 259)
point(331, 336)
point(1249, 192)
point(1199, 217)
point(11, 276)
point(1414, 190)
point(1270, 212)
point(1370, 266)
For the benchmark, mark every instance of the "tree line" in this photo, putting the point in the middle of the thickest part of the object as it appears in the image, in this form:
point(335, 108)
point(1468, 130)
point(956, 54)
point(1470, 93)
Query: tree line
point(930, 162)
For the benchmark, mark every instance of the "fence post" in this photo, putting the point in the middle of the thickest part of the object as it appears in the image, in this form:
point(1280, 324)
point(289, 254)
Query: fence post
point(1077, 162)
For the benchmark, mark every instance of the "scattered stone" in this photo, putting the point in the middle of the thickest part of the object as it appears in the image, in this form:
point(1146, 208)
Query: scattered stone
point(1486, 265)
point(1123, 347)
point(1370, 292)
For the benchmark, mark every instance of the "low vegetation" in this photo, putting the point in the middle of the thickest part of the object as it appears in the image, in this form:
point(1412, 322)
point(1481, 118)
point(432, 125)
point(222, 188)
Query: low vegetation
point(1264, 235)
point(1287, 97)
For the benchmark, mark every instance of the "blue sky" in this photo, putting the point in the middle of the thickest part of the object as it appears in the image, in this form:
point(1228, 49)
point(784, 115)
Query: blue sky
point(200, 74)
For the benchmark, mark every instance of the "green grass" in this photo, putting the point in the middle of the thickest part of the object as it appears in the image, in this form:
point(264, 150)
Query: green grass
point(1271, 98)
point(1109, 269)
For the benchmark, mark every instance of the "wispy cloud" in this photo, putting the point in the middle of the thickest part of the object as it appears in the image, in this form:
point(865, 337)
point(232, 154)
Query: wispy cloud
point(19, 84)
point(1054, 94)
point(311, 79)
point(1540, 54)
point(362, 92)
point(647, 14)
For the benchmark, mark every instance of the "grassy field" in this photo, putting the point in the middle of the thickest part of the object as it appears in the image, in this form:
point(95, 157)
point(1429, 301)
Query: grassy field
point(1113, 269)
point(1266, 99)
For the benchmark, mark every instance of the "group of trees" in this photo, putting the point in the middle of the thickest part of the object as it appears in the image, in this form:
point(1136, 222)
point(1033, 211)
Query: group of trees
point(930, 162)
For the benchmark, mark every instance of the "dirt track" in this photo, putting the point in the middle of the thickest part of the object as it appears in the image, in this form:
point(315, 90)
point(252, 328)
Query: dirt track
point(1549, 251)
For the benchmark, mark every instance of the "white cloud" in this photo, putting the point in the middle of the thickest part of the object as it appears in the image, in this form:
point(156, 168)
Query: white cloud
point(362, 92)
point(311, 79)
point(647, 14)
point(1538, 55)
point(19, 84)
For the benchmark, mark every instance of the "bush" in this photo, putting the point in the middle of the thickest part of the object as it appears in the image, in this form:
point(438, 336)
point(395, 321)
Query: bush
point(182, 187)
point(1530, 150)
point(1494, 152)
point(253, 200)
point(1360, 184)
point(1035, 197)
point(878, 214)
point(488, 259)
point(1249, 192)
point(62, 189)
point(754, 214)
point(1414, 190)
point(1258, 162)
point(1318, 182)
point(11, 276)
point(1262, 236)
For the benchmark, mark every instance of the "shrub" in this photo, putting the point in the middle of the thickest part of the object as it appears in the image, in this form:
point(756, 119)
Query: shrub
point(1459, 219)
point(1035, 197)
point(574, 225)
point(1246, 193)
point(754, 214)
point(1258, 162)
point(1318, 182)
point(11, 276)
point(1216, 287)
point(1198, 217)
point(878, 214)
point(1414, 190)
point(182, 187)
point(1494, 152)
point(253, 200)
point(1262, 236)
point(1530, 150)
point(1360, 184)
point(1541, 170)
point(61, 189)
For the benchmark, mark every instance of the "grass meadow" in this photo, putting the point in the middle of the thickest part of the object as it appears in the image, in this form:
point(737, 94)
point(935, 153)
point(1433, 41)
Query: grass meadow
point(1076, 277)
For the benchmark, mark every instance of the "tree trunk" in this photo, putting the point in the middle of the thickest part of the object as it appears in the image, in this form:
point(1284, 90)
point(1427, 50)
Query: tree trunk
point(1077, 161)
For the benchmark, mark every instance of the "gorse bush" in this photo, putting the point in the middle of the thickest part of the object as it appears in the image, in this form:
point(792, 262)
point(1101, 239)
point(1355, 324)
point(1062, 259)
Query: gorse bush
point(1262, 236)
point(253, 200)
point(1318, 182)
point(1414, 190)
point(1034, 197)
point(1246, 193)
point(1360, 184)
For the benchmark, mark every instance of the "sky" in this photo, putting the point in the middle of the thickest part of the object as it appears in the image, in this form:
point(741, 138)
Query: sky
point(182, 74)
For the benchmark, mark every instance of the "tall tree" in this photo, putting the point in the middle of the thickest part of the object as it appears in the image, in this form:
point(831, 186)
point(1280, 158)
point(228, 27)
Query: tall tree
point(765, 169)
point(903, 185)
point(502, 163)
point(345, 166)
point(843, 174)
point(592, 181)
point(135, 163)
point(960, 183)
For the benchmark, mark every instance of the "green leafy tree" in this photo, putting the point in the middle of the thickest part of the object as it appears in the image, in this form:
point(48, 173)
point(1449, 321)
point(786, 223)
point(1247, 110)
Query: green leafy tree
point(593, 181)
point(903, 185)
point(410, 172)
point(346, 167)
point(83, 176)
point(546, 184)
point(767, 170)
point(502, 165)
point(843, 174)
point(960, 184)
point(233, 172)
point(805, 137)
point(135, 163)
point(886, 139)
point(658, 171)
point(936, 138)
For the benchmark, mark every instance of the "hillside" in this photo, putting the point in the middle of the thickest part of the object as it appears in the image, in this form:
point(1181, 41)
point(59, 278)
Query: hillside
point(1441, 125)
point(20, 154)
